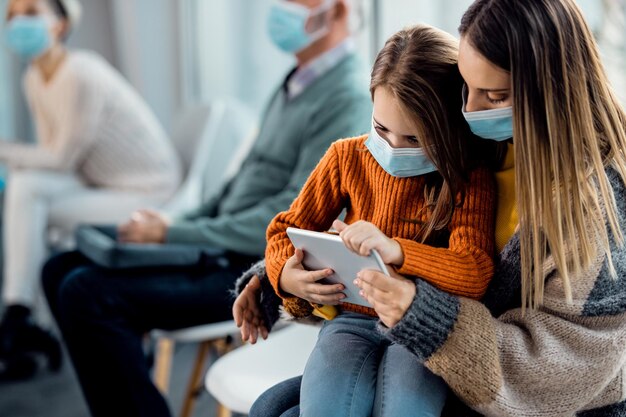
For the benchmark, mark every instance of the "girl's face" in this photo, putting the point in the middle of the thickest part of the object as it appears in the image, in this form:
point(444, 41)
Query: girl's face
point(389, 121)
point(488, 86)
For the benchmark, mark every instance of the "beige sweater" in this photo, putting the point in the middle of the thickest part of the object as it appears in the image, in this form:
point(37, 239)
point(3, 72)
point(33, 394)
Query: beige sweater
point(90, 121)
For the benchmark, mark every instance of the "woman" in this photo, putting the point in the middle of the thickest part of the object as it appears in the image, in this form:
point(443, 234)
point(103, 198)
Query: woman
point(101, 154)
point(550, 336)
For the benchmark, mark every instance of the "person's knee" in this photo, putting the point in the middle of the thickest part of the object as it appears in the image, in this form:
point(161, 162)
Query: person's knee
point(55, 271)
point(26, 180)
point(78, 297)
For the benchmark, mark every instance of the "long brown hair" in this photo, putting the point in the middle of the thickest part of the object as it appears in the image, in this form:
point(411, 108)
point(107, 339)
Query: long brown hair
point(567, 127)
point(418, 65)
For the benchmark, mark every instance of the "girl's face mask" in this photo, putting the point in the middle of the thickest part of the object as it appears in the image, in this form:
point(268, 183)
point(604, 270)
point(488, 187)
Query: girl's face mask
point(398, 162)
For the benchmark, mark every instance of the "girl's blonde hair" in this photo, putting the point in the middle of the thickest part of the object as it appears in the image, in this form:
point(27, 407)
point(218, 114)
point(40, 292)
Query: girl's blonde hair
point(568, 128)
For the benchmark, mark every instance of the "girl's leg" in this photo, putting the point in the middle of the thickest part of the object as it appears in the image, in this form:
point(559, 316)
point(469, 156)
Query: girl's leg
point(340, 375)
point(278, 401)
point(405, 387)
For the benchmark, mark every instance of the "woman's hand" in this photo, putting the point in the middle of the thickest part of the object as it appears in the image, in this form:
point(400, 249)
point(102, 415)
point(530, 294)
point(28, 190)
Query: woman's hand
point(391, 296)
point(297, 281)
point(247, 313)
point(361, 237)
point(144, 226)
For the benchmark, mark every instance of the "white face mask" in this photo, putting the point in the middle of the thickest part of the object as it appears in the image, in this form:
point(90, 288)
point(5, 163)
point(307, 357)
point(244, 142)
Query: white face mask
point(398, 162)
point(287, 24)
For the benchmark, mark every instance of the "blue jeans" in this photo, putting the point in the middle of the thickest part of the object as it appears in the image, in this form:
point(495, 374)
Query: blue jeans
point(355, 371)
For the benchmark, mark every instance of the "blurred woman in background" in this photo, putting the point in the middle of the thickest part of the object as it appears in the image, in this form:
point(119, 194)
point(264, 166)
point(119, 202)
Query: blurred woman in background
point(100, 154)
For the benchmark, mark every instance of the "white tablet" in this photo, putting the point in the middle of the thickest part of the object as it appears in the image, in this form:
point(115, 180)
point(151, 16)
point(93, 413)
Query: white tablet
point(323, 250)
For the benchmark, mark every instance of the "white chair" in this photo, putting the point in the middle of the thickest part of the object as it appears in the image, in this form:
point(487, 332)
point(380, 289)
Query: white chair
point(216, 337)
point(238, 378)
point(212, 141)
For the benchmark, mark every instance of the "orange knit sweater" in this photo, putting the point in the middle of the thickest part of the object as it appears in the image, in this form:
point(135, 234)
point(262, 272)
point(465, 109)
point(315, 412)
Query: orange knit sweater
point(349, 177)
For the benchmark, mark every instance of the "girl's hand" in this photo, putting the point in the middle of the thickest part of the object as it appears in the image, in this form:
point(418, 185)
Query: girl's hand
point(391, 296)
point(247, 314)
point(361, 237)
point(298, 281)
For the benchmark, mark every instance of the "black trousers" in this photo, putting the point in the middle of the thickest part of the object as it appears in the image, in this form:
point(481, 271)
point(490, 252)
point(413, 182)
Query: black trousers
point(104, 313)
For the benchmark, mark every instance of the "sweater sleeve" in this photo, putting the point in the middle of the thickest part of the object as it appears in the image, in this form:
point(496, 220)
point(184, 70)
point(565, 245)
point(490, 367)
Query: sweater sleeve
point(78, 109)
point(316, 207)
point(244, 231)
point(556, 360)
point(465, 267)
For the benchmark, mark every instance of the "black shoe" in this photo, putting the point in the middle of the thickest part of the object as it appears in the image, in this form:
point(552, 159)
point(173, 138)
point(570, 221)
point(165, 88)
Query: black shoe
point(34, 339)
point(17, 368)
point(21, 341)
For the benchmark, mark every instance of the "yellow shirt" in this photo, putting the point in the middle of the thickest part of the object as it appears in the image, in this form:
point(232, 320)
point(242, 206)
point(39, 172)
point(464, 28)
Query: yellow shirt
point(506, 214)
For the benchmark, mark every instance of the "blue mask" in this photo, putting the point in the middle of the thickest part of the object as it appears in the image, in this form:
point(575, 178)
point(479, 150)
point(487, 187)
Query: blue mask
point(287, 25)
point(496, 124)
point(398, 162)
point(27, 36)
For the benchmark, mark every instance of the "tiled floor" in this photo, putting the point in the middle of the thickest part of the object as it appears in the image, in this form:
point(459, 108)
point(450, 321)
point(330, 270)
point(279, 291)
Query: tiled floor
point(58, 395)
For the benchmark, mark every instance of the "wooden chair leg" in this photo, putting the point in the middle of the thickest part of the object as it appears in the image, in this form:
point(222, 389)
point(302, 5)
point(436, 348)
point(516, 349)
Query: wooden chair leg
point(163, 363)
point(195, 381)
point(223, 411)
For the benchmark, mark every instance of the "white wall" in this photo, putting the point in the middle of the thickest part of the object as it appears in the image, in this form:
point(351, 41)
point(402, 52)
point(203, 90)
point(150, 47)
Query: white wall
point(96, 30)
point(146, 40)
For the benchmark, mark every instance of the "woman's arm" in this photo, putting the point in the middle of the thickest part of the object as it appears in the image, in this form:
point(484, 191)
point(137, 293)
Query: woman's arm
point(465, 267)
point(77, 115)
point(557, 360)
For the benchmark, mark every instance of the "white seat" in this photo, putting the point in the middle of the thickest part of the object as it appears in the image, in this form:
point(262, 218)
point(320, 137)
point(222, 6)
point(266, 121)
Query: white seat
point(199, 333)
point(210, 139)
point(238, 378)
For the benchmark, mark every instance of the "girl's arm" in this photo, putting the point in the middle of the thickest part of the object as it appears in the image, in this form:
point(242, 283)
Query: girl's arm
point(466, 266)
point(319, 203)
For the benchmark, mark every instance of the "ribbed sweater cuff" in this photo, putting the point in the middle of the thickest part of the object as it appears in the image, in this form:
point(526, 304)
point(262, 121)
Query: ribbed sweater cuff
point(427, 323)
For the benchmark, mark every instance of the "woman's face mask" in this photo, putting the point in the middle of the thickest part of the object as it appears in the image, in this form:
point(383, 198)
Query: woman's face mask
point(487, 95)
point(495, 124)
point(287, 23)
point(28, 36)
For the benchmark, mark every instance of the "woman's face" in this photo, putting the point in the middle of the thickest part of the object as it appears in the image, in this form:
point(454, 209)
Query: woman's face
point(488, 86)
point(36, 8)
point(389, 121)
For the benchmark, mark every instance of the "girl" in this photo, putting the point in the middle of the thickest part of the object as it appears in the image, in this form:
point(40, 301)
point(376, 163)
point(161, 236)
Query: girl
point(404, 180)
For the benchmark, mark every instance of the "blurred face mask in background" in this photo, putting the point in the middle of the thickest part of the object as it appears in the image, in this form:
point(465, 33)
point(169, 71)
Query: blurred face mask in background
point(287, 24)
point(28, 36)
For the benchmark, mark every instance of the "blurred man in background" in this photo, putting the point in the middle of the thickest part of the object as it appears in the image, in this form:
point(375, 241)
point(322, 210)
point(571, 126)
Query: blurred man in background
point(104, 313)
